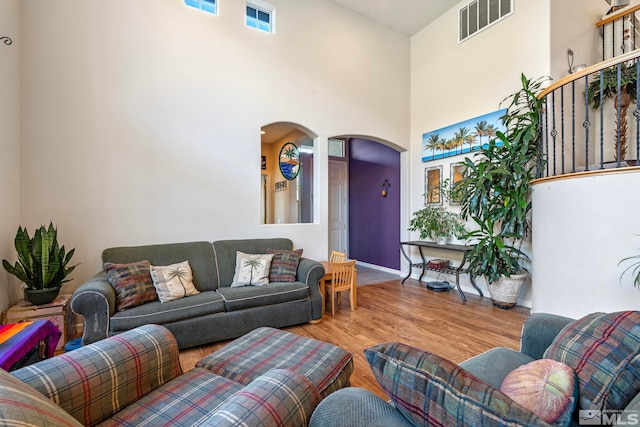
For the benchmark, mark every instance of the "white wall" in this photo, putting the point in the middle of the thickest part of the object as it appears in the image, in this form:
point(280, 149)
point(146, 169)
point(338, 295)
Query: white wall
point(141, 120)
point(575, 28)
point(452, 82)
point(9, 145)
point(584, 228)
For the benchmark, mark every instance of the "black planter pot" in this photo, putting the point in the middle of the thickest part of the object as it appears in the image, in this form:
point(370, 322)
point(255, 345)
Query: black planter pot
point(41, 296)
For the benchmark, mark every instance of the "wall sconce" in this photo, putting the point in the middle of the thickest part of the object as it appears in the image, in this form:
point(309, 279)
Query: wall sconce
point(573, 69)
point(6, 40)
point(385, 188)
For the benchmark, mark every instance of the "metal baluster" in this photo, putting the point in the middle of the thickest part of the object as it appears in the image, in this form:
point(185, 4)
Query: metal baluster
point(601, 119)
point(613, 39)
point(586, 124)
point(618, 109)
point(562, 125)
point(636, 113)
point(573, 126)
point(546, 126)
point(554, 132)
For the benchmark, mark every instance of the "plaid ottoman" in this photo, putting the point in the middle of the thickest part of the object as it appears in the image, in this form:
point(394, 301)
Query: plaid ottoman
point(327, 366)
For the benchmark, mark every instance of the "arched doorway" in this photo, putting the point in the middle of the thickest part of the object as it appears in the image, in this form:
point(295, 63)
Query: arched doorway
point(372, 200)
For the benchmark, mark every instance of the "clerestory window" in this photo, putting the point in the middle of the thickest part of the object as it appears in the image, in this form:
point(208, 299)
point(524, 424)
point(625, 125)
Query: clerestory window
point(260, 15)
point(210, 6)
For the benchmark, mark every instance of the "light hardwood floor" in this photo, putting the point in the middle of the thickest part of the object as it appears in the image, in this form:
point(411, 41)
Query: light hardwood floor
point(438, 322)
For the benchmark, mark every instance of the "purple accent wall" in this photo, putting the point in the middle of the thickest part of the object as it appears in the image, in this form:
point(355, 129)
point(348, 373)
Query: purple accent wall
point(374, 221)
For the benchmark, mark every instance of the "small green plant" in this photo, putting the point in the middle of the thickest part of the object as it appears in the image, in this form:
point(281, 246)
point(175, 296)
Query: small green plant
point(435, 221)
point(42, 264)
point(633, 268)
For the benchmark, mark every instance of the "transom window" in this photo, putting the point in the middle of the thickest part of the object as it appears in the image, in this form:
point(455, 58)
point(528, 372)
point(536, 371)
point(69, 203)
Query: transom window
point(260, 16)
point(210, 6)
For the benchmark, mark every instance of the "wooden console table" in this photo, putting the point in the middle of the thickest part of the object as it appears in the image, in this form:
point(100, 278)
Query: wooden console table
point(420, 244)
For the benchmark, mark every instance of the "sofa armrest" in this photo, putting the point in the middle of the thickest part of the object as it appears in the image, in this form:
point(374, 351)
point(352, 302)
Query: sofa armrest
point(355, 407)
point(539, 331)
point(278, 398)
point(96, 381)
point(95, 300)
point(311, 272)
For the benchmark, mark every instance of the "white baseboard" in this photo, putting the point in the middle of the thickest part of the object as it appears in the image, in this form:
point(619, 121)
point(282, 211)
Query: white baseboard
point(380, 268)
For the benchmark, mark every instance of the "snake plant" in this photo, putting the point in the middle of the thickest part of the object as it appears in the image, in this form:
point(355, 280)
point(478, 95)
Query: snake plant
point(42, 264)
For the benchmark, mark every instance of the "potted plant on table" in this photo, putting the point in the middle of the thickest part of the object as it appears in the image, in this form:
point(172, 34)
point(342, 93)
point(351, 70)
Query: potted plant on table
point(42, 264)
point(496, 196)
point(437, 223)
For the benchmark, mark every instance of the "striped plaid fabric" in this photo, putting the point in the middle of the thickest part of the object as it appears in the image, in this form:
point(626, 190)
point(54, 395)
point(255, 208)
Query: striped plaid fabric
point(327, 366)
point(604, 350)
point(278, 398)
point(132, 282)
point(431, 391)
point(188, 400)
point(284, 265)
point(20, 405)
point(94, 382)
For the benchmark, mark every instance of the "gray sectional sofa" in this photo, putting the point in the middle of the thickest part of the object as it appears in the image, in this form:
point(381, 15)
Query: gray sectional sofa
point(218, 312)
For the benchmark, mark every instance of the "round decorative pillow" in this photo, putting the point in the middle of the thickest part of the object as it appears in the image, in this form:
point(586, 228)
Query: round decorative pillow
point(546, 387)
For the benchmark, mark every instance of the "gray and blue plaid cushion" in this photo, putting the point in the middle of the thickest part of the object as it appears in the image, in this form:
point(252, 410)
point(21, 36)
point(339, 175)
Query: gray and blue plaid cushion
point(20, 405)
point(96, 381)
point(604, 350)
point(327, 366)
point(431, 391)
point(278, 398)
point(188, 400)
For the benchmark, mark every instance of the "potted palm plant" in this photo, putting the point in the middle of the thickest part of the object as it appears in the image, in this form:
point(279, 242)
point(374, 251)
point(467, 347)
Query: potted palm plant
point(623, 93)
point(437, 223)
point(495, 195)
point(42, 264)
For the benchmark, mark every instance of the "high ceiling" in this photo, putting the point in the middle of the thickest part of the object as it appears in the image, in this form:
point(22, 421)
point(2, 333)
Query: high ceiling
point(405, 16)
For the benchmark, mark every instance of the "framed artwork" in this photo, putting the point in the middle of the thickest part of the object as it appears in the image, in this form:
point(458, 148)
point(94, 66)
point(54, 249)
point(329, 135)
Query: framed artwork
point(263, 163)
point(433, 186)
point(462, 138)
point(457, 175)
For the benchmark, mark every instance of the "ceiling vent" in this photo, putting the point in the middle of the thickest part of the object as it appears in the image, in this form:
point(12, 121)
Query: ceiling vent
point(481, 14)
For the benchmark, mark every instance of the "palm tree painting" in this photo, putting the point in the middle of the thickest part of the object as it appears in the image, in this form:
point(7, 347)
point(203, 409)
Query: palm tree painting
point(462, 138)
point(253, 264)
point(180, 274)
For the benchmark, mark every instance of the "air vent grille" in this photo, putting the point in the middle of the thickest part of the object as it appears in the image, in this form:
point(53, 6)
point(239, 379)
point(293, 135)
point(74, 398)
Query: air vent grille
point(481, 14)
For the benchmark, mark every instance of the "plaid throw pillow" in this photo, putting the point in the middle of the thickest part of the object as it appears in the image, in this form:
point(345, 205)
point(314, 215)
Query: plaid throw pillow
point(173, 281)
point(24, 406)
point(132, 283)
point(284, 265)
point(604, 350)
point(430, 390)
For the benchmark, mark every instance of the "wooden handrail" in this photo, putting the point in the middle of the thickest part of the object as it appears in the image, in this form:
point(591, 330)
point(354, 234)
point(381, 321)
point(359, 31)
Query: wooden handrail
point(590, 70)
point(617, 15)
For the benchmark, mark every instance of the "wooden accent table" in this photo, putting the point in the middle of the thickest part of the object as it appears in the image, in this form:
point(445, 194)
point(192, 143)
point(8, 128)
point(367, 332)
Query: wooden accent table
point(421, 244)
point(59, 312)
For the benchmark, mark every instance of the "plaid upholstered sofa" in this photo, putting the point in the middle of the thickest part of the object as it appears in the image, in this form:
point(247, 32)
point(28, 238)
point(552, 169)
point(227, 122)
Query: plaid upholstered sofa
point(601, 350)
point(219, 312)
point(135, 379)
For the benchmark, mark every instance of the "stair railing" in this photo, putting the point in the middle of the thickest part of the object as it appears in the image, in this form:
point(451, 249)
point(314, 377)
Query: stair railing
point(585, 119)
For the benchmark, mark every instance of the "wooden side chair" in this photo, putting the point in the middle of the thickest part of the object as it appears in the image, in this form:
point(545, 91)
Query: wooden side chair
point(343, 279)
point(337, 257)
